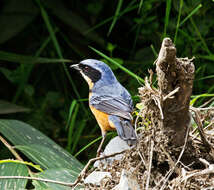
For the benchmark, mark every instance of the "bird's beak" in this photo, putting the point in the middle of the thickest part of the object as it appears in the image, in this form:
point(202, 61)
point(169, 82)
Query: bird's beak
point(75, 66)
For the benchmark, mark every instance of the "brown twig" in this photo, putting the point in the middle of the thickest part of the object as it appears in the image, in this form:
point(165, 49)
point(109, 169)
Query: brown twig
point(170, 95)
point(206, 103)
point(171, 162)
point(11, 149)
point(37, 179)
point(203, 172)
point(197, 119)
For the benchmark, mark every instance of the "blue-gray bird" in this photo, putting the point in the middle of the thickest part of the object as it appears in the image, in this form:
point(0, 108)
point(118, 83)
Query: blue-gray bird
point(109, 101)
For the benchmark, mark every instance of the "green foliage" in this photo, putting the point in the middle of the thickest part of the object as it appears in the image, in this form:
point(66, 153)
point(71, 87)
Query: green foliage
point(13, 169)
point(41, 150)
point(39, 40)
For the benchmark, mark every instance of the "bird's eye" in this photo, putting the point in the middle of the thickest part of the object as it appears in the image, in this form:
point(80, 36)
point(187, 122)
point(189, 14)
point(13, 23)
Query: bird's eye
point(86, 68)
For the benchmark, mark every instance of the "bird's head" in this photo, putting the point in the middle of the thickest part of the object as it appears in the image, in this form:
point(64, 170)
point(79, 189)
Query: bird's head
point(94, 71)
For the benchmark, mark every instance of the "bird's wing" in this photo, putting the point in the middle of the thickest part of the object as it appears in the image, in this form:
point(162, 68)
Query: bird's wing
point(113, 105)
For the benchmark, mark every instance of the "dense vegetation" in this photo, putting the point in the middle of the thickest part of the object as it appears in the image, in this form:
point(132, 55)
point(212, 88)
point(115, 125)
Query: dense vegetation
point(39, 40)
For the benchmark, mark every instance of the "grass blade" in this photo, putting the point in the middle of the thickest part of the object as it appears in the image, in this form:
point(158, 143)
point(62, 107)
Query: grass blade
point(178, 21)
point(77, 135)
point(207, 57)
point(120, 2)
point(28, 70)
point(168, 8)
point(207, 77)
point(126, 10)
point(92, 142)
point(71, 128)
point(200, 36)
point(88, 145)
point(118, 65)
point(192, 13)
point(196, 97)
point(154, 51)
point(140, 6)
point(73, 104)
point(58, 49)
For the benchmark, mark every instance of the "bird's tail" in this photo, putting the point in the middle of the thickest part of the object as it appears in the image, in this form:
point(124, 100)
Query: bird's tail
point(124, 129)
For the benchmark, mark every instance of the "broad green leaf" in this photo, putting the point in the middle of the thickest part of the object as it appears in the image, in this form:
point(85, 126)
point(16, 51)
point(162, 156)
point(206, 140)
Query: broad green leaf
point(7, 107)
point(40, 149)
point(58, 174)
point(19, 58)
point(47, 157)
point(13, 169)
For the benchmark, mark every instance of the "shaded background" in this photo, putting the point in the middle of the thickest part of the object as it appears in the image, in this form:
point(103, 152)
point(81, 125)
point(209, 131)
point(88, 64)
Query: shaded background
point(129, 32)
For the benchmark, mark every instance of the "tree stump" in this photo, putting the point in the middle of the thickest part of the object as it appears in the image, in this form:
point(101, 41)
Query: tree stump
point(174, 73)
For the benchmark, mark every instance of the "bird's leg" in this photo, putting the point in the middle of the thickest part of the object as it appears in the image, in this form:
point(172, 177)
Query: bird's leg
point(101, 143)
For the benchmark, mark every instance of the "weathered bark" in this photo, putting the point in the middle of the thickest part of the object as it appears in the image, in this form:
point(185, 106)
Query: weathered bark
point(172, 73)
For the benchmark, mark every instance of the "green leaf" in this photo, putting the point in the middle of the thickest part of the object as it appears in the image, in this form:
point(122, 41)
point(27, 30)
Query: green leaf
point(207, 57)
point(48, 158)
point(38, 147)
point(7, 108)
point(58, 174)
point(196, 97)
point(72, 106)
point(71, 127)
point(139, 106)
point(191, 14)
point(17, 58)
point(57, 47)
point(77, 134)
point(110, 47)
point(178, 20)
point(103, 22)
point(113, 66)
point(168, 9)
point(117, 12)
point(37, 167)
point(13, 169)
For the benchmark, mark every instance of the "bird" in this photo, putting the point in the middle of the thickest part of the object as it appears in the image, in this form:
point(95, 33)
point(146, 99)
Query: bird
point(109, 101)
